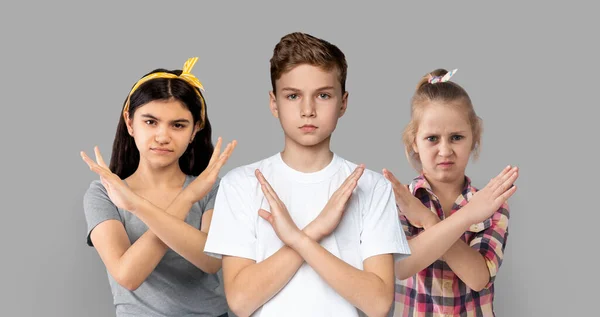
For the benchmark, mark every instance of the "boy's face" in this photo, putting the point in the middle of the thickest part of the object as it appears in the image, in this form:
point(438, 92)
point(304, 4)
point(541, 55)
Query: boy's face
point(308, 103)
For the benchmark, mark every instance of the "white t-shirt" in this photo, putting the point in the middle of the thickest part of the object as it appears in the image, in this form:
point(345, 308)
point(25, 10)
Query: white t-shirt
point(370, 226)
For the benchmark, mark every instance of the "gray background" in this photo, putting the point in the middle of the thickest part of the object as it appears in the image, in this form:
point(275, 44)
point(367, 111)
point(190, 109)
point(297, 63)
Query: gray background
point(531, 70)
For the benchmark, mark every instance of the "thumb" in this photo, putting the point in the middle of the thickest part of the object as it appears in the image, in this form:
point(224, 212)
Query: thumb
point(266, 215)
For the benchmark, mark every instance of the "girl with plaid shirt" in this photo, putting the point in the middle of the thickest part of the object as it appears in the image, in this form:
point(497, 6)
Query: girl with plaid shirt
point(457, 233)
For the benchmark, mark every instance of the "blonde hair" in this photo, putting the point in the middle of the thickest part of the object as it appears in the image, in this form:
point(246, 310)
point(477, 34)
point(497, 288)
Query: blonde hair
point(452, 95)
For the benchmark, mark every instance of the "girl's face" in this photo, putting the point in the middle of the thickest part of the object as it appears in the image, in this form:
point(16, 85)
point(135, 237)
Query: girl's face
point(162, 131)
point(443, 142)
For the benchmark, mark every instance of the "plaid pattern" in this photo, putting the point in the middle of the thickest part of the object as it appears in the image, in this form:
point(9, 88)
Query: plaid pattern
point(436, 290)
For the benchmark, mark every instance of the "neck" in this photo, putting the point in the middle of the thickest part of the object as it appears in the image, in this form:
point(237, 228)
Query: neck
point(307, 159)
point(146, 176)
point(447, 189)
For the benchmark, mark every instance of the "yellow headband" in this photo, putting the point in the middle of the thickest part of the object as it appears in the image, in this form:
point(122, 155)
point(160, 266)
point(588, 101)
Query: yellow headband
point(186, 75)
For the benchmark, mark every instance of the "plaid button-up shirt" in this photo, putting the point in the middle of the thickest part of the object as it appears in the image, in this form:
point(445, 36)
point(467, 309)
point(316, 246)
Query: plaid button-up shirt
point(436, 290)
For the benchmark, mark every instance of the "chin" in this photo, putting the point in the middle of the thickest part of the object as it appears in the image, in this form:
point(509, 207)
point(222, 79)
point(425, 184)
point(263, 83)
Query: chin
point(308, 140)
point(449, 176)
point(158, 163)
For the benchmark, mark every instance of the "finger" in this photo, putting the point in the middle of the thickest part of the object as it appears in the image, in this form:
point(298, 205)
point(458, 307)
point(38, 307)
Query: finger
point(266, 215)
point(345, 195)
point(216, 151)
point(359, 172)
point(397, 186)
point(495, 182)
point(508, 181)
point(353, 176)
point(87, 159)
point(270, 199)
point(390, 177)
point(227, 153)
point(344, 187)
point(91, 163)
point(507, 194)
point(99, 158)
point(504, 171)
point(216, 165)
point(267, 189)
point(224, 157)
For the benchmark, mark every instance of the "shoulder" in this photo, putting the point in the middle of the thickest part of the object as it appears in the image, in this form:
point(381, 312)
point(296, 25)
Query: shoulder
point(95, 191)
point(370, 181)
point(244, 176)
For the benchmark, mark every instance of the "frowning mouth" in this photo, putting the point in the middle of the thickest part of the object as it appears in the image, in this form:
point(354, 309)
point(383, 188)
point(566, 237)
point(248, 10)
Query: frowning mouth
point(159, 150)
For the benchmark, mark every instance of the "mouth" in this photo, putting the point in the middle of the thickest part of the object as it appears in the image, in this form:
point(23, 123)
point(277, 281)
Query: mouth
point(308, 128)
point(161, 150)
point(445, 164)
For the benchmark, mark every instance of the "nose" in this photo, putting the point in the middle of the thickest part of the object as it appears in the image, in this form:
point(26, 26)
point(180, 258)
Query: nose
point(445, 149)
point(162, 135)
point(307, 108)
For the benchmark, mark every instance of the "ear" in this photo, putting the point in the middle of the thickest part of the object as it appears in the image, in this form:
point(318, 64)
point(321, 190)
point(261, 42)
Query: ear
point(128, 123)
point(196, 129)
point(415, 148)
point(273, 104)
point(344, 104)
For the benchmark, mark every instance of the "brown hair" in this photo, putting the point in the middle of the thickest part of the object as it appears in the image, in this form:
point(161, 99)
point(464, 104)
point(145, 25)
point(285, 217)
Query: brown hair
point(451, 94)
point(300, 48)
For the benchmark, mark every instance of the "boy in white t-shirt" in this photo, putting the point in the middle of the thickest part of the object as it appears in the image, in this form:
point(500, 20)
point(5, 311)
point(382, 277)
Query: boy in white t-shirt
point(306, 232)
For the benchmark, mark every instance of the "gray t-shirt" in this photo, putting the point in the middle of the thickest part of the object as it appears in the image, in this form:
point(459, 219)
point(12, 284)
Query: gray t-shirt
point(176, 287)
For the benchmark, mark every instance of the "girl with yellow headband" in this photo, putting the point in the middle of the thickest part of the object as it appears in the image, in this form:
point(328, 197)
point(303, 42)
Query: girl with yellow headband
point(149, 214)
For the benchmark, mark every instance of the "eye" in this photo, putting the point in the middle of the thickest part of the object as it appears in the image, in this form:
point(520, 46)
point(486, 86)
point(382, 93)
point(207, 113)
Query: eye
point(150, 122)
point(292, 97)
point(324, 96)
point(179, 126)
point(457, 137)
point(432, 138)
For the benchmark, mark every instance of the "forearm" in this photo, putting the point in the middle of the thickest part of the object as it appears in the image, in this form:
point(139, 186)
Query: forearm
point(256, 284)
point(468, 264)
point(175, 233)
point(365, 290)
point(432, 243)
point(142, 257)
point(138, 262)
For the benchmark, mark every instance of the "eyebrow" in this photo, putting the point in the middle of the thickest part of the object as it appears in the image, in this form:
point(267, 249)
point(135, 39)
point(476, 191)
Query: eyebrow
point(149, 116)
point(435, 133)
point(297, 90)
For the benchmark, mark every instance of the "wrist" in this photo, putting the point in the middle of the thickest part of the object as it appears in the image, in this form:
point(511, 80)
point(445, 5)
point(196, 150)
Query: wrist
point(313, 232)
point(430, 221)
point(187, 195)
point(137, 204)
point(298, 240)
point(463, 214)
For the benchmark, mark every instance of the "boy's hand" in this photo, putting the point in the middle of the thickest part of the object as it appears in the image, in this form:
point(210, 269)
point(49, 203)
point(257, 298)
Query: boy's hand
point(279, 217)
point(331, 215)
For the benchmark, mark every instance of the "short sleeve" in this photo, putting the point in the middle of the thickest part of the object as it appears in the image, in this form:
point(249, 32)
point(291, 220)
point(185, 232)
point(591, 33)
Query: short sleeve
point(382, 232)
point(98, 208)
point(232, 229)
point(491, 241)
point(208, 202)
point(409, 230)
